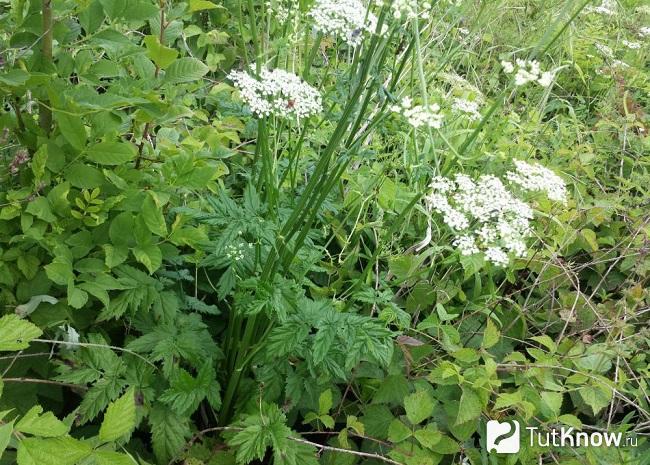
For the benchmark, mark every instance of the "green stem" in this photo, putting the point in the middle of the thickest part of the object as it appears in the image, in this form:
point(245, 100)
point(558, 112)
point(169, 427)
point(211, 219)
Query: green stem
point(45, 113)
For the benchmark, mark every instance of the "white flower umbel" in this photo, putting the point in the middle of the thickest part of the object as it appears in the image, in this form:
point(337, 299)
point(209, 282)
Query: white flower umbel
point(277, 92)
point(528, 71)
point(534, 177)
point(485, 216)
point(644, 32)
point(631, 45)
point(468, 107)
point(349, 19)
point(419, 115)
point(404, 10)
point(606, 7)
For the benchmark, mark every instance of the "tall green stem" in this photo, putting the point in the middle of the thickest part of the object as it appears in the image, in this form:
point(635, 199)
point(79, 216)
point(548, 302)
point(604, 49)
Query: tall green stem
point(45, 113)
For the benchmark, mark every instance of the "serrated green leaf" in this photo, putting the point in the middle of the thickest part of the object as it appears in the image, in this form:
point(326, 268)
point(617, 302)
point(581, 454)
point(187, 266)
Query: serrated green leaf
point(490, 335)
point(169, 432)
point(45, 425)
point(16, 334)
point(52, 451)
point(111, 153)
point(470, 406)
point(398, 431)
point(119, 419)
point(418, 406)
point(5, 435)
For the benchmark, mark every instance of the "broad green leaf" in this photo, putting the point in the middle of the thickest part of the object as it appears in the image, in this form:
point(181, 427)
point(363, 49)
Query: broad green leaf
point(553, 400)
point(72, 128)
point(119, 419)
point(490, 335)
point(325, 402)
point(16, 334)
point(40, 208)
point(159, 54)
point(111, 153)
point(5, 435)
point(428, 436)
point(14, 77)
point(106, 457)
point(185, 70)
point(470, 406)
point(398, 431)
point(52, 451)
point(418, 406)
point(45, 425)
point(153, 216)
point(198, 5)
point(84, 176)
point(150, 256)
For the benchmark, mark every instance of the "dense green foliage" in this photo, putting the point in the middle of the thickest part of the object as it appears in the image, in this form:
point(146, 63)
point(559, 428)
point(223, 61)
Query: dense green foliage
point(185, 281)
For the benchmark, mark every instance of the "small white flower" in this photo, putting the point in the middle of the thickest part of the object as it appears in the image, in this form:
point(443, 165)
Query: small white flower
point(277, 92)
point(468, 107)
point(346, 18)
point(535, 177)
point(644, 32)
point(606, 7)
point(405, 10)
point(419, 115)
point(631, 45)
point(497, 256)
point(605, 50)
point(528, 71)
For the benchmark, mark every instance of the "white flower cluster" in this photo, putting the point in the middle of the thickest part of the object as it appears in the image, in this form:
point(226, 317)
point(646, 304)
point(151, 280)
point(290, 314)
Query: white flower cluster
point(606, 51)
point(469, 107)
point(277, 92)
point(644, 32)
point(346, 18)
point(419, 115)
point(534, 177)
point(405, 10)
point(486, 216)
point(279, 10)
point(236, 252)
point(631, 44)
point(606, 7)
point(528, 71)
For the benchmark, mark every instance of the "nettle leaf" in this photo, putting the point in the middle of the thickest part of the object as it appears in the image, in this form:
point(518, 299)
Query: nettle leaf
point(106, 457)
point(119, 419)
point(162, 56)
point(16, 334)
point(46, 425)
point(185, 70)
point(111, 153)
